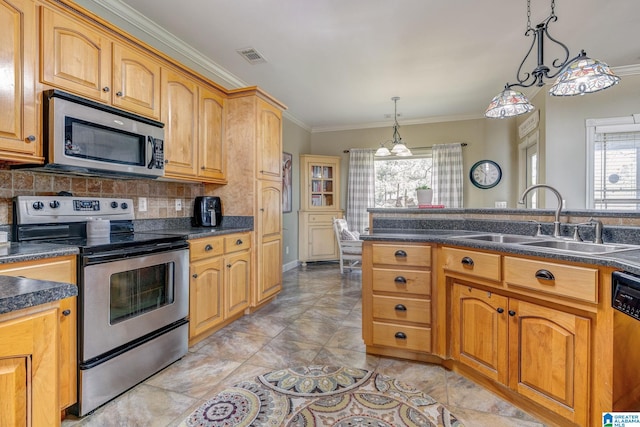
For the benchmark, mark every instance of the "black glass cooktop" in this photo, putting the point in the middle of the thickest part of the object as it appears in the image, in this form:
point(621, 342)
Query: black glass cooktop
point(115, 241)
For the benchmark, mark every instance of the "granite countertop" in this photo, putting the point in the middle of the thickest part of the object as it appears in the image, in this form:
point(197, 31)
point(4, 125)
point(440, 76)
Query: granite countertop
point(16, 252)
point(18, 292)
point(628, 260)
point(198, 232)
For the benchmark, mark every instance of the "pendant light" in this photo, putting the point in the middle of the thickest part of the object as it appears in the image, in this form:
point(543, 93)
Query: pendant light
point(398, 148)
point(575, 76)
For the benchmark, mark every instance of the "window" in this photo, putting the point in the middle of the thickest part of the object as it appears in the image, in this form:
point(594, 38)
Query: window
point(398, 177)
point(614, 161)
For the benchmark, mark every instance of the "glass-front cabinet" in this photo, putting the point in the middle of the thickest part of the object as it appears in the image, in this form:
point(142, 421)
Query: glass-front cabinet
point(320, 188)
point(319, 204)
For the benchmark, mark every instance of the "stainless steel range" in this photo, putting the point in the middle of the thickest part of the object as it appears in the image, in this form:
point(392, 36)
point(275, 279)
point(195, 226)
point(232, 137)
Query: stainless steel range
point(132, 288)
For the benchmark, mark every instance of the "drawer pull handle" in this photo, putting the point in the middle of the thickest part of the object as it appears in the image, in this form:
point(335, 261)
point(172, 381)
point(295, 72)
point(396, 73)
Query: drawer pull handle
point(401, 335)
point(401, 254)
point(66, 312)
point(208, 248)
point(500, 310)
point(400, 280)
point(545, 275)
point(239, 242)
point(195, 275)
point(512, 313)
point(466, 261)
point(400, 307)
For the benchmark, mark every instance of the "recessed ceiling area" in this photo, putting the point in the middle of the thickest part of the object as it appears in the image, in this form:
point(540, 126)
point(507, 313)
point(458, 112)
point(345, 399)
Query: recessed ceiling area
point(337, 64)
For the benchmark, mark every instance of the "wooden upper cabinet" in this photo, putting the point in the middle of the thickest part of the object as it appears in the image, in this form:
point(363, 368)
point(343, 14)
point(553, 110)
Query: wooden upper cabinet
point(179, 114)
point(75, 56)
point(136, 81)
point(78, 57)
point(193, 115)
point(212, 157)
point(269, 141)
point(18, 121)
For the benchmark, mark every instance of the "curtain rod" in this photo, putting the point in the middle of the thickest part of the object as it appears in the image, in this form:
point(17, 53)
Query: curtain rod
point(464, 144)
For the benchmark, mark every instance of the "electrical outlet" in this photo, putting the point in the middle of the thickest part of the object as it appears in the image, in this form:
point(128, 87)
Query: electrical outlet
point(142, 204)
point(178, 205)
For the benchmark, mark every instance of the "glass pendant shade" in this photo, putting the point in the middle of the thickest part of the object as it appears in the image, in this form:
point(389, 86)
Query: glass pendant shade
point(584, 75)
point(508, 103)
point(398, 148)
point(382, 152)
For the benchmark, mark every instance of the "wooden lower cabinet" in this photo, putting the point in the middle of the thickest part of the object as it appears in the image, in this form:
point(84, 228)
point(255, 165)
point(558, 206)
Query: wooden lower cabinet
point(220, 283)
point(317, 240)
point(58, 269)
point(29, 380)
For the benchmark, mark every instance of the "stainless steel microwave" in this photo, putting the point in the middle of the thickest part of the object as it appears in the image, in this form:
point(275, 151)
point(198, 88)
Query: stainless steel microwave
point(88, 138)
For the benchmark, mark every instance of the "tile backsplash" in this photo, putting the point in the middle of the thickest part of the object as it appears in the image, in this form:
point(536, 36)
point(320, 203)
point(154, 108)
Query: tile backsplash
point(161, 195)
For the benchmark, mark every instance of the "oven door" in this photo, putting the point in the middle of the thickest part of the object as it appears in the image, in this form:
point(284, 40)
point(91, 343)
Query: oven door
point(125, 299)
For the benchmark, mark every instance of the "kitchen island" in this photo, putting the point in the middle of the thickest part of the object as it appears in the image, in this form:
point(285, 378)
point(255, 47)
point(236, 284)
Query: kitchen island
point(533, 324)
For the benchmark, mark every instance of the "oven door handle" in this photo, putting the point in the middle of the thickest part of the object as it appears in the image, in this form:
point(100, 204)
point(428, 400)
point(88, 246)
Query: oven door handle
point(114, 255)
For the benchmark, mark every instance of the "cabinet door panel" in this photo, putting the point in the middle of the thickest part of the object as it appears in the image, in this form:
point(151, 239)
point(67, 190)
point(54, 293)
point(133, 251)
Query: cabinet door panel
point(212, 155)
point(205, 295)
point(549, 353)
point(17, 56)
point(479, 331)
point(75, 57)
point(238, 282)
point(136, 82)
point(269, 142)
point(179, 114)
point(13, 389)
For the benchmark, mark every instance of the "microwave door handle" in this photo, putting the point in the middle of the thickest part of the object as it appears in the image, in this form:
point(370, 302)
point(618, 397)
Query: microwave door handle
point(152, 161)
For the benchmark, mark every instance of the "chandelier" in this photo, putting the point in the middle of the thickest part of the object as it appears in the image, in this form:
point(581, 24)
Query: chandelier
point(575, 76)
point(398, 147)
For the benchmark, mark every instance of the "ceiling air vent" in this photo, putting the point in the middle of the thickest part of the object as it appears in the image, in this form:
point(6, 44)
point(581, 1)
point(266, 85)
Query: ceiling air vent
point(251, 55)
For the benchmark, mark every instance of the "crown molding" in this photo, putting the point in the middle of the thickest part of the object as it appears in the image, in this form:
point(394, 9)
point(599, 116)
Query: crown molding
point(440, 119)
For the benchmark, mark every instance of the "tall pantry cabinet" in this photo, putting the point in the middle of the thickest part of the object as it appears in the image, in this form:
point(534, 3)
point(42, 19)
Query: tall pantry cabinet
point(254, 140)
point(319, 204)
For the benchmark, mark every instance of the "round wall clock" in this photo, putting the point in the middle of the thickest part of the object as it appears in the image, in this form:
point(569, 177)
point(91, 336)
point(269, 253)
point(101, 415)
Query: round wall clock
point(485, 174)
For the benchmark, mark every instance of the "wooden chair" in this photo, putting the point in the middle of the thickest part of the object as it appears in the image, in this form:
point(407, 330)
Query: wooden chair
point(349, 245)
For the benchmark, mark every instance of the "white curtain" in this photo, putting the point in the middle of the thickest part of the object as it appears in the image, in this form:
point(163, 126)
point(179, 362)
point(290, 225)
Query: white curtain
point(360, 191)
point(448, 175)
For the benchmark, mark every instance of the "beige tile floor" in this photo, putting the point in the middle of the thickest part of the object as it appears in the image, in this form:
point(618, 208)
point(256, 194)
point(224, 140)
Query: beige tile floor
point(316, 319)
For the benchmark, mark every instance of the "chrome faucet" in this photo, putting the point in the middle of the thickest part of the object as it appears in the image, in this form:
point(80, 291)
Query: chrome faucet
point(598, 229)
point(556, 222)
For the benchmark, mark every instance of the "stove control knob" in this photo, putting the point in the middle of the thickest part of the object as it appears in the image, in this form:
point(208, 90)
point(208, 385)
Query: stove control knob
point(38, 206)
point(114, 205)
point(54, 204)
point(124, 205)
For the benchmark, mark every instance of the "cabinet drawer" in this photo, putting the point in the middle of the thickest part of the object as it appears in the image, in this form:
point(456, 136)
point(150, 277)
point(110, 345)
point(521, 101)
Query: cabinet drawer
point(324, 218)
point(205, 248)
point(473, 263)
point(55, 269)
point(565, 280)
point(402, 336)
point(402, 309)
point(237, 242)
point(402, 281)
point(408, 256)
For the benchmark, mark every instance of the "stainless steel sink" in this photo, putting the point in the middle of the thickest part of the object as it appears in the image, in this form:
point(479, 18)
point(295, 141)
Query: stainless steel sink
point(500, 238)
point(580, 247)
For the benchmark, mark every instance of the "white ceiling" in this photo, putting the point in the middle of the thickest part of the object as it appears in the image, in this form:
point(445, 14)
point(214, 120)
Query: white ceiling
point(337, 63)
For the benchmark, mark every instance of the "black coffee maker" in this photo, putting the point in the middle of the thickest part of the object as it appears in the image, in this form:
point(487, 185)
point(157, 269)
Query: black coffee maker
point(207, 212)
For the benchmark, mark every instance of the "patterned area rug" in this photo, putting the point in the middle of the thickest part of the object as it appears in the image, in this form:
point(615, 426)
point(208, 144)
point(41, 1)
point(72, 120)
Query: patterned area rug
point(321, 396)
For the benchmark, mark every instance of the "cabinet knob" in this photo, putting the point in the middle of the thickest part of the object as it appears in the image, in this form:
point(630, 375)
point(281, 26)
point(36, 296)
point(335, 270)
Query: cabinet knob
point(208, 248)
point(500, 310)
point(400, 307)
point(400, 254)
point(31, 138)
point(466, 261)
point(118, 93)
point(194, 275)
point(401, 335)
point(66, 312)
point(106, 89)
point(166, 162)
point(239, 242)
point(512, 313)
point(545, 275)
point(228, 265)
point(400, 280)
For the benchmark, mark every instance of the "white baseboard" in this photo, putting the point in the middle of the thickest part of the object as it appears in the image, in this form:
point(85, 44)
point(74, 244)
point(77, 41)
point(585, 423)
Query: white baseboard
point(290, 265)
